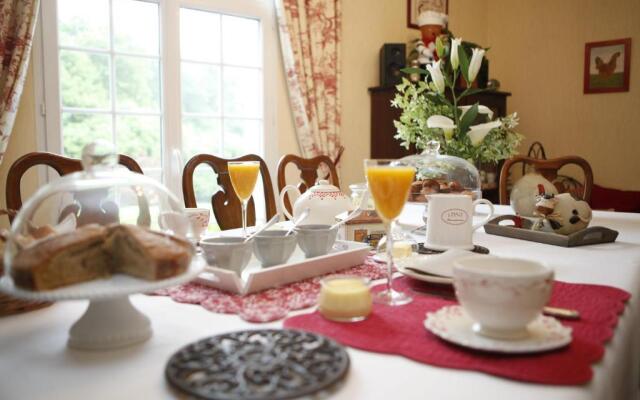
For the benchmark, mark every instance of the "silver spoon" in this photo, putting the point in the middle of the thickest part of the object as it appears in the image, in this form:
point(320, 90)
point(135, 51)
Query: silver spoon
point(272, 221)
point(302, 217)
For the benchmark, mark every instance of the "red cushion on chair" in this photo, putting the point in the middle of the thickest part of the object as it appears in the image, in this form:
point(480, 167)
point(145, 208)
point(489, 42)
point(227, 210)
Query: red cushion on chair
point(603, 198)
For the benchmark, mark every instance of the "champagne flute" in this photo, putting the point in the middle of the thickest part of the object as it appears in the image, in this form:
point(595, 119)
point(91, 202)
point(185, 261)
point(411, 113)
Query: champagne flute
point(389, 183)
point(244, 175)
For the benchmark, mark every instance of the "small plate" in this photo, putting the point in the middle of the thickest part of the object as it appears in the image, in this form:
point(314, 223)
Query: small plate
point(454, 325)
point(403, 263)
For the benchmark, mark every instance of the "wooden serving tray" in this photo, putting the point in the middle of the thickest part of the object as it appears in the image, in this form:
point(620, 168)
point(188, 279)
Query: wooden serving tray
point(592, 235)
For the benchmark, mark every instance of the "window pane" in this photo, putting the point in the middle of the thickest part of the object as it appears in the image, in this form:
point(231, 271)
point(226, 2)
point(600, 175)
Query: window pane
point(199, 35)
point(205, 184)
point(137, 83)
point(200, 135)
point(242, 92)
point(241, 44)
point(200, 88)
point(84, 79)
point(84, 23)
point(242, 137)
point(80, 129)
point(135, 27)
point(140, 138)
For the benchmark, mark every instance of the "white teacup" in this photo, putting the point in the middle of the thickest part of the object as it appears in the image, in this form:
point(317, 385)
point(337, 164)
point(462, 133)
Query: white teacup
point(199, 218)
point(450, 221)
point(502, 295)
point(174, 222)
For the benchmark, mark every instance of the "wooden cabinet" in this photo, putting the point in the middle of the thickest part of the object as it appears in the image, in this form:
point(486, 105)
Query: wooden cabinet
point(383, 143)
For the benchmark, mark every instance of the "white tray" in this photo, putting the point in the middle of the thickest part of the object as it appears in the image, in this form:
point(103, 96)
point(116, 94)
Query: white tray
point(254, 278)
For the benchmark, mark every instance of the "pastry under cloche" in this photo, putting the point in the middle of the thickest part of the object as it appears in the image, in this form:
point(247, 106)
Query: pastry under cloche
point(96, 223)
point(439, 173)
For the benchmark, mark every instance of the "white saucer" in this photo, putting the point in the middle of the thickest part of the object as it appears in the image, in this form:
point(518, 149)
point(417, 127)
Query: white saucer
point(452, 324)
point(403, 263)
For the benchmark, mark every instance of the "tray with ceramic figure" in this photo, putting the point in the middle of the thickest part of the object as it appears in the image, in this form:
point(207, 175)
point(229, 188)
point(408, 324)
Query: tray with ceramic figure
point(254, 277)
point(517, 227)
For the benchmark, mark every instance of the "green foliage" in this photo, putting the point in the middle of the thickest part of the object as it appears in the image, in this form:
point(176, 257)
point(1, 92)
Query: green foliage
point(419, 101)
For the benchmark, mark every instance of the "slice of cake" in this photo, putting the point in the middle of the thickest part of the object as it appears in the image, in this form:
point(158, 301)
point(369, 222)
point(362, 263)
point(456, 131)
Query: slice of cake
point(62, 260)
point(146, 254)
point(93, 251)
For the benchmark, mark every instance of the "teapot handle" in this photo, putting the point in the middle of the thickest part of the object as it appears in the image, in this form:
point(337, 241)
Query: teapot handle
point(282, 193)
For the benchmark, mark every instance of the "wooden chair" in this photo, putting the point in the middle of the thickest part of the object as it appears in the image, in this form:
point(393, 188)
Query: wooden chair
point(536, 150)
point(308, 172)
point(63, 166)
point(226, 205)
point(548, 169)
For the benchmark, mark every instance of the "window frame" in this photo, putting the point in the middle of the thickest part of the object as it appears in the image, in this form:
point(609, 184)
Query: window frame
point(48, 101)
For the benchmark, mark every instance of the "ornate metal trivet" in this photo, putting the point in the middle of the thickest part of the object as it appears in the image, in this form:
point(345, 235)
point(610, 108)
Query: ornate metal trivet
point(476, 249)
point(258, 364)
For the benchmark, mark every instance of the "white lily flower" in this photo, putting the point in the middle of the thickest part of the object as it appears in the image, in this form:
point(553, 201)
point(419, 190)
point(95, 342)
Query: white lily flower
point(477, 133)
point(442, 122)
point(455, 60)
point(436, 76)
point(481, 110)
point(475, 63)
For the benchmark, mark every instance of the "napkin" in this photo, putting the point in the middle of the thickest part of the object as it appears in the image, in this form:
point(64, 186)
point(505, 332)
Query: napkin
point(441, 264)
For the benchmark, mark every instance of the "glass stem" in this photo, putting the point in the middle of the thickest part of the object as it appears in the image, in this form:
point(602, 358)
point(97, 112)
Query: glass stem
point(389, 228)
point(244, 217)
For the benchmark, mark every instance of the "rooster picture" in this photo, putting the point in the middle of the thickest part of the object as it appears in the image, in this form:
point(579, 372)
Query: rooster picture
point(606, 66)
point(606, 69)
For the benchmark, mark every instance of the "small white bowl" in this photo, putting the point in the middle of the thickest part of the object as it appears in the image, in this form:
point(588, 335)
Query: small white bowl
point(316, 239)
point(273, 247)
point(502, 295)
point(230, 253)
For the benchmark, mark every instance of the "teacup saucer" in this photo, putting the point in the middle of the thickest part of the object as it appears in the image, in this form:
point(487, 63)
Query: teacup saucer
point(454, 325)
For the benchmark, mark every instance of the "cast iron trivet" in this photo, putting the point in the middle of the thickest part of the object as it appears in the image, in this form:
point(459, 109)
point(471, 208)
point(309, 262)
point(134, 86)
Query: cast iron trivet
point(257, 365)
point(476, 249)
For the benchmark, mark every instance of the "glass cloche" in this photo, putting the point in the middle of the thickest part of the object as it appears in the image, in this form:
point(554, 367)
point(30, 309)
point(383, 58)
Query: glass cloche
point(97, 223)
point(439, 173)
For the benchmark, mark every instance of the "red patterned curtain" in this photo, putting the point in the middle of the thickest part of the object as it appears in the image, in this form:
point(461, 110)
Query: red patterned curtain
point(17, 23)
point(310, 41)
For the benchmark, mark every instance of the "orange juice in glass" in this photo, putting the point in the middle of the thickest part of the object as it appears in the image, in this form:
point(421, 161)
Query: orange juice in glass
point(389, 182)
point(243, 175)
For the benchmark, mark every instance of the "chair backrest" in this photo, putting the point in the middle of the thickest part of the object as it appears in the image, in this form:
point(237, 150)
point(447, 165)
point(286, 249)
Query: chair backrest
point(548, 169)
point(536, 150)
point(226, 205)
point(62, 165)
point(308, 173)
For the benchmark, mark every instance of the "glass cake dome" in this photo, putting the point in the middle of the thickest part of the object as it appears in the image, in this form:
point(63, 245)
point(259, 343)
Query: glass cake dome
point(101, 199)
point(439, 173)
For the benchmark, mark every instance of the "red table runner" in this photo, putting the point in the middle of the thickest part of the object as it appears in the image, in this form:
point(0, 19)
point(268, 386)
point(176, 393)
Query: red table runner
point(268, 305)
point(400, 330)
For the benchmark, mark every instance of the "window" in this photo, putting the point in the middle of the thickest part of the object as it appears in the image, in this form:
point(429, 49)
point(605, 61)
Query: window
point(163, 80)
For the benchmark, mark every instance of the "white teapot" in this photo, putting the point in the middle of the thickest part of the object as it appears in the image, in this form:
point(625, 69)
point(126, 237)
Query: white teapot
point(323, 200)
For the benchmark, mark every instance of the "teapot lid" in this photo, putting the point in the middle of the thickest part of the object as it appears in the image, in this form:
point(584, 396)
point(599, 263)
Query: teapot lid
point(323, 185)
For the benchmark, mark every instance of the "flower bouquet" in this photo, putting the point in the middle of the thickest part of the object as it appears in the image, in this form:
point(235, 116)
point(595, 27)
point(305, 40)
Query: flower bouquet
point(431, 110)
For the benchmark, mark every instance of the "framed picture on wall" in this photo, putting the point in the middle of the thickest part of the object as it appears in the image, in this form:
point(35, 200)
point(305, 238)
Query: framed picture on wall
point(606, 66)
point(415, 7)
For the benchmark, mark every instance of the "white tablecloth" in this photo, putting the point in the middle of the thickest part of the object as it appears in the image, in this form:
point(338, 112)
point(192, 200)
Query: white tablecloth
point(36, 364)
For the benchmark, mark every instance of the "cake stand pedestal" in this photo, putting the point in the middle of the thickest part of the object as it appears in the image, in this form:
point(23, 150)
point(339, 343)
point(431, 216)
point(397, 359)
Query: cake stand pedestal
point(109, 324)
point(110, 321)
